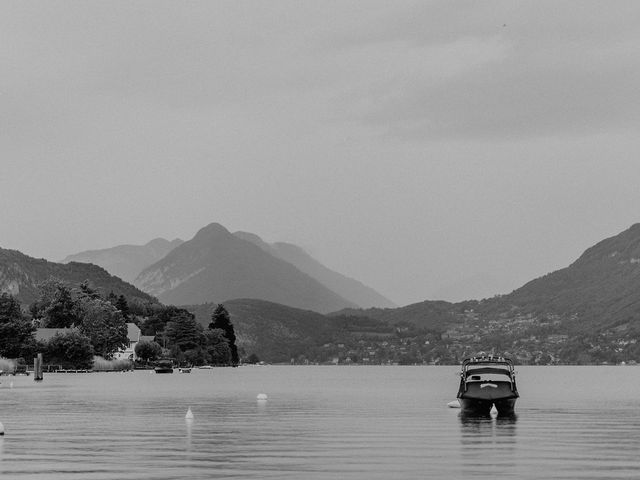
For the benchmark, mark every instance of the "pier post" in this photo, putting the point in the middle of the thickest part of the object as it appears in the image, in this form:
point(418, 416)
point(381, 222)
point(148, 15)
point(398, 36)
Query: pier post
point(37, 368)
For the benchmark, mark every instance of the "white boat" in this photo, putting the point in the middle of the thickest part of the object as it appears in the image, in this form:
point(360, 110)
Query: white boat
point(486, 382)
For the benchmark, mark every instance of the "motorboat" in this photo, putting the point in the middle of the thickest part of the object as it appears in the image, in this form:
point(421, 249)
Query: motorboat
point(164, 366)
point(487, 381)
point(185, 370)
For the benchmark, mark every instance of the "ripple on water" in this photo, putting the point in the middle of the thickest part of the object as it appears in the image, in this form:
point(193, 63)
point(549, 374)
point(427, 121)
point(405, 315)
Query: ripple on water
point(318, 422)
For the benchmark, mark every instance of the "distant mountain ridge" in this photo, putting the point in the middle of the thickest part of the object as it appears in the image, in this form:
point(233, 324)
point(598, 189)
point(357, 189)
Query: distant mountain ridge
point(602, 287)
point(600, 290)
point(20, 275)
point(344, 286)
point(277, 333)
point(126, 261)
point(575, 313)
point(217, 266)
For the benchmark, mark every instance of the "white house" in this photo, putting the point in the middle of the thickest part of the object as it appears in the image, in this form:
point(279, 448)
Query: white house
point(133, 334)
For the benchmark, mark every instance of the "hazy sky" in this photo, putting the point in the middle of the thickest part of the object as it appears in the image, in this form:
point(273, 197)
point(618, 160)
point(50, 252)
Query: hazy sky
point(449, 149)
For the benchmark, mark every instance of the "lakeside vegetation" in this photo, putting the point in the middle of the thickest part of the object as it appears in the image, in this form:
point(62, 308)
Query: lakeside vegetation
point(91, 329)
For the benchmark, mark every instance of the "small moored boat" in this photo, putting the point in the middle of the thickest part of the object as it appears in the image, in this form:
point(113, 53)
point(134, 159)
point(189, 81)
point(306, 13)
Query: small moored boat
point(487, 381)
point(164, 366)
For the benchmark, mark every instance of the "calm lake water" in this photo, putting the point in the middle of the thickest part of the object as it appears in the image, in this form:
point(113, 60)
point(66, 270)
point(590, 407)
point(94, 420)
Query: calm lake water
point(318, 423)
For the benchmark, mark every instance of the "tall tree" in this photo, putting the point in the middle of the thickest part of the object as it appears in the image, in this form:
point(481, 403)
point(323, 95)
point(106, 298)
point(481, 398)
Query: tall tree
point(184, 331)
point(16, 331)
point(221, 319)
point(217, 347)
point(55, 305)
point(104, 325)
point(123, 306)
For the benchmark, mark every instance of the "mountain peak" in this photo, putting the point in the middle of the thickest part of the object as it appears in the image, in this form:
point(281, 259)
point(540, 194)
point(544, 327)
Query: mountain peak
point(216, 265)
point(212, 230)
point(623, 246)
point(248, 236)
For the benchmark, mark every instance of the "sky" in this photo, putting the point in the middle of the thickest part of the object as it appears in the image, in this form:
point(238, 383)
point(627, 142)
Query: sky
point(432, 150)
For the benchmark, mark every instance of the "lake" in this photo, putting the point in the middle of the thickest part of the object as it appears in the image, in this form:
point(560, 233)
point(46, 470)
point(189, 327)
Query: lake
point(318, 423)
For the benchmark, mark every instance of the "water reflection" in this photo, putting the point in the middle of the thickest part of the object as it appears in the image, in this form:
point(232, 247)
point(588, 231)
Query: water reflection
point(480, 427)
point(489, 443)
point(189, 424)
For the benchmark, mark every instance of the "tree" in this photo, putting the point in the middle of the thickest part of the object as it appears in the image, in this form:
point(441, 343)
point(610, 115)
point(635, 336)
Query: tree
point(184, 331)
point(70, 350)
point(195, 356)
point(158, 317)
point(104, 325)
point(16, 331)
point(55, 305)
point(148, 351)
point(221, 319)
point(86, 290)
point(217, 347)
point(123, 306)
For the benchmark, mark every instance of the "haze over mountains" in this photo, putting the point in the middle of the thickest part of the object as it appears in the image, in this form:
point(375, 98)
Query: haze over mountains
point(348, 288)
point(126, 261)
point(586, 312)
point(217, 266)
point(21, 274)
point(600, 290)
point(596, 299)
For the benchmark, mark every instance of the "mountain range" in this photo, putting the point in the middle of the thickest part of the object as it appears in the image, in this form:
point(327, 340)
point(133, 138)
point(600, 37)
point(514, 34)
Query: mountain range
point(596, 298)
point(351, 289)
point(217, 266)
point(592, 305)
point(126, 261)
point(21, 274)
point(600, 290)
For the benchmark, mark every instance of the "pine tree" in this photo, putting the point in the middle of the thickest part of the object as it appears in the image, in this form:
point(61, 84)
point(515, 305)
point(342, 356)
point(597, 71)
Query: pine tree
point(221, 319)
point(122, 305)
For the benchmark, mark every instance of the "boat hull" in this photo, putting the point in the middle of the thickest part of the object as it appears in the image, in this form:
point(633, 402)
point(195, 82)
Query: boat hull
point(481, 406)
point(164, 370)
point(479, 397)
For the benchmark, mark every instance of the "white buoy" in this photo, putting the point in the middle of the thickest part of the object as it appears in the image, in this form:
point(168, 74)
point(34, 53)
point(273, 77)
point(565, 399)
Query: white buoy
point(262, 397)
point(1, 429)
point(454, 404)
point(494, 410)
point(189, 415)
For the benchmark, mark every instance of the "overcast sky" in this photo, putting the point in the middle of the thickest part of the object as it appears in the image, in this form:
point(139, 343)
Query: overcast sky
point(452, 149)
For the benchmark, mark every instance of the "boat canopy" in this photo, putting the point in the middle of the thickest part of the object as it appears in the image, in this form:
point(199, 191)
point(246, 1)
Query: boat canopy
point(477, 371)
point(490, 360)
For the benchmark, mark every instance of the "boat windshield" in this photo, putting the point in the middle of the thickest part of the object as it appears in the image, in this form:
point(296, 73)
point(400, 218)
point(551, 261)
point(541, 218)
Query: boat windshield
point(477, 365)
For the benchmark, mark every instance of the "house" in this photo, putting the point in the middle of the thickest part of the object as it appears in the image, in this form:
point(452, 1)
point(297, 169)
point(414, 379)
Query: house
point(133, 334)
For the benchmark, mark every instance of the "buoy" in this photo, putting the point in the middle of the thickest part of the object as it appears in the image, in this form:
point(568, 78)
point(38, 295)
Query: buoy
point(262, 396)
point(454, 404)
point(494, 410)
point(1, 429)
point(189, 415)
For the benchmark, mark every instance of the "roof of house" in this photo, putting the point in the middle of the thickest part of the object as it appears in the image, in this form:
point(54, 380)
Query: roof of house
point(147, 338)
point(133, 332)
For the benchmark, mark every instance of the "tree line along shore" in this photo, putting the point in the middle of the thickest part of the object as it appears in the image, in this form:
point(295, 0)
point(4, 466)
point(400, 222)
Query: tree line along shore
point(90, 332)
